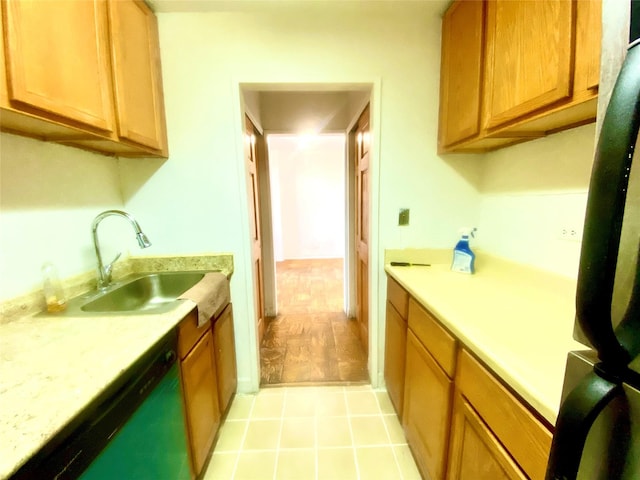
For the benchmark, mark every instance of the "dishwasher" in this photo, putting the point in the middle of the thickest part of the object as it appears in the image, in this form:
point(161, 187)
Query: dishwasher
point(134, 430)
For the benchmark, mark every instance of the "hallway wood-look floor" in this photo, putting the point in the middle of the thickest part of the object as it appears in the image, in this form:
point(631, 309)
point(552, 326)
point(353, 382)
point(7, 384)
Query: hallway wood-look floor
point(311, 340)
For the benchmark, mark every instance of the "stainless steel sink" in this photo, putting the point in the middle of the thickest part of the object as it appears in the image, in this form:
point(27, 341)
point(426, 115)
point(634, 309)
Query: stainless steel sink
point(145, 293)
point(136, 294)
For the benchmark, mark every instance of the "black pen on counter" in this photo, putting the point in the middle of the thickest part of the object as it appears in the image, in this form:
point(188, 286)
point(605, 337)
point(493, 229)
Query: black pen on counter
point(409, 264)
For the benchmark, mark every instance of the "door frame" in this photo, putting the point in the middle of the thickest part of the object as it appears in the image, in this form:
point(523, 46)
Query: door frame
point(248, 350)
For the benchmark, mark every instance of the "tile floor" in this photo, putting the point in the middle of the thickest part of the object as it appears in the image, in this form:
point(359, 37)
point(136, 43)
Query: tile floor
point(312, 433)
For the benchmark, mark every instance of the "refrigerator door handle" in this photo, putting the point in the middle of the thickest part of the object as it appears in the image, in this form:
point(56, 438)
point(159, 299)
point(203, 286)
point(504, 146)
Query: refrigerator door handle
point(577, 414)
point(605, 210)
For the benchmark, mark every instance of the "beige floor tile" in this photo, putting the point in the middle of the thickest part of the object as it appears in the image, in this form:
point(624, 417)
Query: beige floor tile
point(406, 463)
point(396, 433)
point(337, 464)
point(241, 407)
point(298, 433)
point(377, 463)
point(268, 405)
point(334, 432)
point(256, 465)
point(300, 404)
point(331, 403)
point(231, 435)
point(221, 466)
point(262, 434)
point(296, 465)
point(385, 402)
point(365, 387)
point(369, 430)
point(362, 402)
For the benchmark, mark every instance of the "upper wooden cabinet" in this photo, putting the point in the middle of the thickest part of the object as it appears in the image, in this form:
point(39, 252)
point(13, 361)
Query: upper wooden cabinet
point(137, 80)
point(60, 71)
point(528, 64)
point(461, 72)
point(66, 78)
point(514, 70)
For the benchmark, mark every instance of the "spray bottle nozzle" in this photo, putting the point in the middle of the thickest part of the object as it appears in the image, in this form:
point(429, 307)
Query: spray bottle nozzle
point(468, 232)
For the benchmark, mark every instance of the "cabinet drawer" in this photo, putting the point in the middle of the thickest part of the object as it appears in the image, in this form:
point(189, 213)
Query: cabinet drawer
point(440, 343)
point(521, 433)
point(189, 333)
point(397, 296)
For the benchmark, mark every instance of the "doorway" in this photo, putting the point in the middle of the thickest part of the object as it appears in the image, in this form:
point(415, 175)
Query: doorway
point(307, 211)
point(310, 339)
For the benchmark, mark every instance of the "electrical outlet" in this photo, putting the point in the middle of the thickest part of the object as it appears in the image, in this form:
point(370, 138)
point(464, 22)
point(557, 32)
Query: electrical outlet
point(403, 217)
point(571, 233)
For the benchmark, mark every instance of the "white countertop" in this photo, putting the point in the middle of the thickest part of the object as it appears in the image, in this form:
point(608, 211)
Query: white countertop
point(52, 367)
point(516, 319)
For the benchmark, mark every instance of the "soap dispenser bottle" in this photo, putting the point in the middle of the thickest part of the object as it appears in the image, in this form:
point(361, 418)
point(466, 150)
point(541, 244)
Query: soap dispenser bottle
point(463, 256)
point(52, 289)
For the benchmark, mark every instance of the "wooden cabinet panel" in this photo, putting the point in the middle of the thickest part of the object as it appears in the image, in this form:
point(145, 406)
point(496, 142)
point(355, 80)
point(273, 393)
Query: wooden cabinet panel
point(475, 453)
point(225, 354)
point(440, 343)
point(201, 400)
point(529, 59)
point(137, 74)
point(189, 333)
point(57, 60)
point(394, 356)
point(588, 46)
point(398, 297)
point(522, 434)
point(427, 409)
point(461, 72)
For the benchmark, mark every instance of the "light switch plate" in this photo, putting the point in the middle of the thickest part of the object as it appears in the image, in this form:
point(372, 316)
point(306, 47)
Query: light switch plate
point(403, 217)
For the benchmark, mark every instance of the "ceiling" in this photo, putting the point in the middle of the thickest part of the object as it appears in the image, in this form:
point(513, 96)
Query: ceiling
point(427, 7)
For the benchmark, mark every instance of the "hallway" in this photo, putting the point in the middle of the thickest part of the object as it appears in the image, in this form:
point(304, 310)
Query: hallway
point(311, 341)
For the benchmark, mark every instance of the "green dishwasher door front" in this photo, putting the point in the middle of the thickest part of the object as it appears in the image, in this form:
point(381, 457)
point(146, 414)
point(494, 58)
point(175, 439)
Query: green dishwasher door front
point(152, 444)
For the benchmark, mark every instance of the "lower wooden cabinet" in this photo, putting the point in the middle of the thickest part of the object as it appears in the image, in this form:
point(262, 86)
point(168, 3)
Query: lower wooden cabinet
point(427, 409)
point(460, 420)
point(526, 439)
point(201, 399)
point(225, 357)
point(394, 357)
point(475, 451)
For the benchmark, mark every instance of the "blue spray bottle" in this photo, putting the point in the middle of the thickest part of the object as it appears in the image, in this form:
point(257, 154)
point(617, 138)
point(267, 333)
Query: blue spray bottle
point(463, 256)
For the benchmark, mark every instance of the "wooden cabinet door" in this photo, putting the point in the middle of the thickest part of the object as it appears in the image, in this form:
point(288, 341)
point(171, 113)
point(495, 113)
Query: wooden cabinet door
point(137, 76)
point(588, 46)
point(201, 400)
point(394, 357)
point(476, 454)
point(57, 61)
point(427, 409)
point(529, 56)
point(461, 72)
point(225, 352)
point(363, 140)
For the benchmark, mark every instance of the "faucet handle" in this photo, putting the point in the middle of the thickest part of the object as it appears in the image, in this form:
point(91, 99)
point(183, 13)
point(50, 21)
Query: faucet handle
point(109, 267)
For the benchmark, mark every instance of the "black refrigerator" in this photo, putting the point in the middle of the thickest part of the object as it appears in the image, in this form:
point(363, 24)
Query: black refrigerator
point(597, 434)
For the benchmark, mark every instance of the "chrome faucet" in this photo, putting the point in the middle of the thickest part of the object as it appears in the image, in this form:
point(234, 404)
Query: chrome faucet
point(104, 271)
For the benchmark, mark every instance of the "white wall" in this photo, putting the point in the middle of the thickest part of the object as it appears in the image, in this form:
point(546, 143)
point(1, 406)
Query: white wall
point(196, 201)
point(308, 190)
point(49, 195)
point(533, 190)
